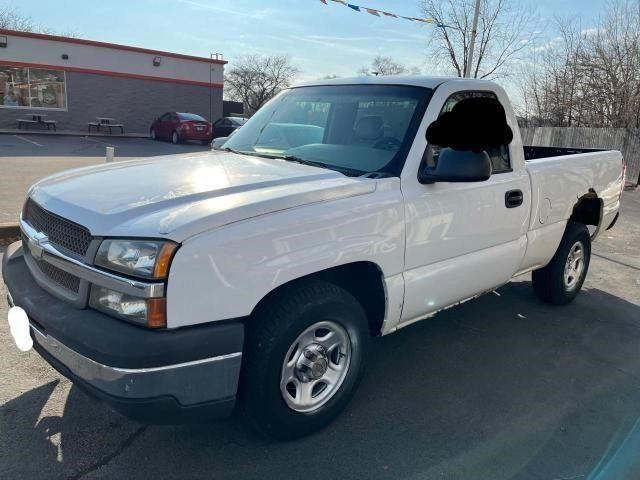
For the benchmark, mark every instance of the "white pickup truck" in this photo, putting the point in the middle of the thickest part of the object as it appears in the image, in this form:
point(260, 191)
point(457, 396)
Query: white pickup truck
point(178, 286)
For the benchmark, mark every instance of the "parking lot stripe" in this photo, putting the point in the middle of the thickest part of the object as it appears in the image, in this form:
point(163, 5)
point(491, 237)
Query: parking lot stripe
point(27, 140)
point(94, 140)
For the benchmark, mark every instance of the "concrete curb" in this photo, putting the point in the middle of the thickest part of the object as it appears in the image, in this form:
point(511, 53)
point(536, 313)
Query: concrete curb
point(9, 231)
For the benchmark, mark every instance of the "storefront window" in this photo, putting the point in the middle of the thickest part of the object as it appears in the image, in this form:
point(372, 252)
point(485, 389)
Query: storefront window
point(32, 88)
point(14, 87)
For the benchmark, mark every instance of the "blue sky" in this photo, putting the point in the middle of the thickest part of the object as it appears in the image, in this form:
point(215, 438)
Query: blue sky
point(320, 39)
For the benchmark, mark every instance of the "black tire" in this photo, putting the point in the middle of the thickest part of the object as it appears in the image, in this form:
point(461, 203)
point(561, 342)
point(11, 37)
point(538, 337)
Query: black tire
point(549, 283)
point(272, 330)
point(175, 138)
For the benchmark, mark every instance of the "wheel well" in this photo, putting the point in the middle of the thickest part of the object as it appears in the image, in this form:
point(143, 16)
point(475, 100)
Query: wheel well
point(363, 280)
point(588, 209)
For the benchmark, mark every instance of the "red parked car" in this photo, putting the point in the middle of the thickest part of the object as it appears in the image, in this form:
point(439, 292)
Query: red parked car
point(179, 126)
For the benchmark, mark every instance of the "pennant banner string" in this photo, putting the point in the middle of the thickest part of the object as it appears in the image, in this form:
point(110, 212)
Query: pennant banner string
point(378, 13)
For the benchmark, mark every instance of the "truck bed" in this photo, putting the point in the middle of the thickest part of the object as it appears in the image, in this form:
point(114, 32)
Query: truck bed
point(559, 179)
point(535, 153)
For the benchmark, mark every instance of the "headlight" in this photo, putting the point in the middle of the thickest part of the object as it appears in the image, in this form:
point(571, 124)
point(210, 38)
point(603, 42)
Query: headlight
point(148, 312)
point(138, 258)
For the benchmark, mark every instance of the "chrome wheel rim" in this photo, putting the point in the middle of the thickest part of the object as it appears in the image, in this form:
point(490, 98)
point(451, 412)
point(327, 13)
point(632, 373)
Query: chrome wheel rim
point(153, 134)
point(315, 366)
point(174, 137)
point(574, 266)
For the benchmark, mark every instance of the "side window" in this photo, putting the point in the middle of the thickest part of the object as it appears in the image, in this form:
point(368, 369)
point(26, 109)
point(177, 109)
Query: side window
point(500, 160)
point(164, 117)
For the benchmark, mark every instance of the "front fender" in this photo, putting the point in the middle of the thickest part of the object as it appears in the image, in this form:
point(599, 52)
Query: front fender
point(224, 273)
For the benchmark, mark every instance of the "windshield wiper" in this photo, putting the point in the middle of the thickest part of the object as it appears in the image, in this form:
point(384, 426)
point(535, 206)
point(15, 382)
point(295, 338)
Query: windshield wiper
point(229, 149)
point(303, 161)
point(288, 158)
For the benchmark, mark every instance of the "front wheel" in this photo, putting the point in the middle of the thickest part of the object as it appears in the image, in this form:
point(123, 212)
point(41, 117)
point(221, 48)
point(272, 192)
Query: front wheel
point(561, 280)
point(305, 353)
point(175, 138)
point(153, 134)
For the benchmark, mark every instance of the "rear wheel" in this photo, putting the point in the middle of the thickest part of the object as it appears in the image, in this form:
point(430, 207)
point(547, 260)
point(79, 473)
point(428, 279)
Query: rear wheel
point(152, 133)
point(561, 280)
point(305, 353)
point(175, 138)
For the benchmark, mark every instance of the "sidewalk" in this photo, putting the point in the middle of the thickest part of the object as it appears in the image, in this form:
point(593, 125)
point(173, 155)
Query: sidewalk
point(73, 133)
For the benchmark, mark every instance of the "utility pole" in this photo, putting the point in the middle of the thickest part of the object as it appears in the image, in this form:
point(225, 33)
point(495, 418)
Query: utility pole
point(472, 43)
point(211, 56)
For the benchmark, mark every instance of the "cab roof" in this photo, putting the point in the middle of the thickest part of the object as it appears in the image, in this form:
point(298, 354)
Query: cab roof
point(409, 80)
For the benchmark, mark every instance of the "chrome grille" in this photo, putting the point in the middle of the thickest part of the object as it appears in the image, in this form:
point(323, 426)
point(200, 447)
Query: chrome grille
point(61, 232)
point(60, 277)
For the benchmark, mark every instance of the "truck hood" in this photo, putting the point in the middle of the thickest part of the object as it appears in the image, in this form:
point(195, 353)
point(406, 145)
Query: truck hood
point(179, 196)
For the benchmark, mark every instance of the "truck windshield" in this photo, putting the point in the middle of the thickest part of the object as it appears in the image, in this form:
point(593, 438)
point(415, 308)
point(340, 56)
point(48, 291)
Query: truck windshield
point(355, 129)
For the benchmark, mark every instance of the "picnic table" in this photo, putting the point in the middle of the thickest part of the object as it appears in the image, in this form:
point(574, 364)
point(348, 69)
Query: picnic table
point(105, 123)
point(36, 119)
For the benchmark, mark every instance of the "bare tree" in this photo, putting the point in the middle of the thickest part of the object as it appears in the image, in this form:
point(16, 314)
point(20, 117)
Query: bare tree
point(255, 79)
point(550, 79)
point(10, 19)
point(588, 77)
point(504, 30)
point(383, 65)
point(610, 64)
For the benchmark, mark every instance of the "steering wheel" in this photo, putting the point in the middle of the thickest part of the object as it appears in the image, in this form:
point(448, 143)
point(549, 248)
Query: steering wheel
point(388, 143)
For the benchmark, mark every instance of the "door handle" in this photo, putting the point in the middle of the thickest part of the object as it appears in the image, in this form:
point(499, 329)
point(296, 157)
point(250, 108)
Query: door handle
point(513, 198)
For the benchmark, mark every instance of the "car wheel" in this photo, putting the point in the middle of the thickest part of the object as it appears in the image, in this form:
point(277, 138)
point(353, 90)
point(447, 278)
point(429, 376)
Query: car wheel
point(152, 133)
point(305, 353)
point(561, 280)
point(175, 138)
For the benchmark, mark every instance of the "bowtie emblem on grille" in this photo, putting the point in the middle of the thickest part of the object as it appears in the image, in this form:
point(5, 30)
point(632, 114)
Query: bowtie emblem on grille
point(37, 243)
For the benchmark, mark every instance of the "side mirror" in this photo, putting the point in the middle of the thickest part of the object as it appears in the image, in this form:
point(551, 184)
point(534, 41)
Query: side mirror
point(458, 166)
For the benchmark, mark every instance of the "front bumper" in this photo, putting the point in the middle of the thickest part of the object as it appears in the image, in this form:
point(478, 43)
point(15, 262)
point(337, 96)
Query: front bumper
point(156, 376)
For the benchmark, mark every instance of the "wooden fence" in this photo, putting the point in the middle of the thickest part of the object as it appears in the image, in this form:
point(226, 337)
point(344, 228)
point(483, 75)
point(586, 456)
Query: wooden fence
point(627, 140)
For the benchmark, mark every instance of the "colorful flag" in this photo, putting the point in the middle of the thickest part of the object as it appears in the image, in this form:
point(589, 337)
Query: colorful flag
point(377, 13)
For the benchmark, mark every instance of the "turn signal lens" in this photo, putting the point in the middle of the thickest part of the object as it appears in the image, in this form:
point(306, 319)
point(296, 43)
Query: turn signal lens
point(163, 260)
point(157, 312)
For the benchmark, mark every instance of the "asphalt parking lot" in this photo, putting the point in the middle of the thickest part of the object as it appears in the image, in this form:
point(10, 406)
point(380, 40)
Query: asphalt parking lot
point(28, 157)
point(500, 387)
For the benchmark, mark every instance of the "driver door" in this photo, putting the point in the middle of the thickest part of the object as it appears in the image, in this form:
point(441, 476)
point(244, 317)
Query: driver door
point(462, 239)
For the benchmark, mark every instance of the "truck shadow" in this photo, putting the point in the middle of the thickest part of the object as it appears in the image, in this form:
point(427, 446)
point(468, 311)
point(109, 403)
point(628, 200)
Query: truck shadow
point(500, 387)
